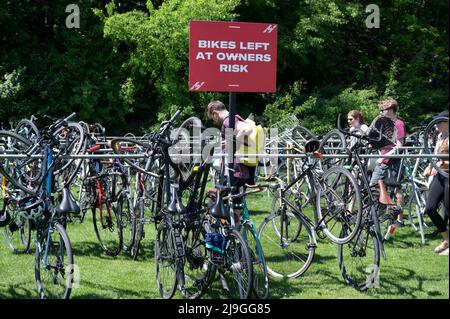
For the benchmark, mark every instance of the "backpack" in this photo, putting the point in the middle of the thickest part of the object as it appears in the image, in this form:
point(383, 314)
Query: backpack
point(254, 143)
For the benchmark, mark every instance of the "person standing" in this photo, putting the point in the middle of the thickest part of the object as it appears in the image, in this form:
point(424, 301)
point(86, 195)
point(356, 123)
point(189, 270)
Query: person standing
point(391, 166)
point(439, 186)
point(243, 174)
point(355, 120)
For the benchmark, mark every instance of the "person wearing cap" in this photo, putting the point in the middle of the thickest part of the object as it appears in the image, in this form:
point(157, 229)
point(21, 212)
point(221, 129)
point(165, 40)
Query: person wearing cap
point(388, 108)
point(439, 186)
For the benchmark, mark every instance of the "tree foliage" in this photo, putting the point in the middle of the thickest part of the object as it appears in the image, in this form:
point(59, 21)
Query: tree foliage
point(128, 62)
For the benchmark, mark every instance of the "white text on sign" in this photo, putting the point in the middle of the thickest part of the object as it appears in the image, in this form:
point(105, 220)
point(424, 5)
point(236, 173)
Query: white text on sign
point(233, 56)
point(209, 44)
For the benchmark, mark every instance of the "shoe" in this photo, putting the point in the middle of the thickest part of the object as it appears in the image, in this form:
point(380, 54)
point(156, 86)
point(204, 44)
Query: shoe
point(399, 223)
point(442, 247)
point(444, 253)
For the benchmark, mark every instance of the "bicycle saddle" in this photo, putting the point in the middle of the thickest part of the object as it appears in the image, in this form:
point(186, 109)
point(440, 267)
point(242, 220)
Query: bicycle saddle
point(175, 205)
point(218, 209)
point(67, 204)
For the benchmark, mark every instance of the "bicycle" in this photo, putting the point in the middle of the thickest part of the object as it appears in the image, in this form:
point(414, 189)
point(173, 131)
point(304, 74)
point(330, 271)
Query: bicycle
point(54, 266)
point(227, 249)
point(359, 259)
point(260, 283)
point(328, 193)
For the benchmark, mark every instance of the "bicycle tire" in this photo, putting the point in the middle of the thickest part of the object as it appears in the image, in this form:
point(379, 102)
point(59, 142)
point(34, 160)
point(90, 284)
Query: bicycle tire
point(285, 256)
point(11, 168)
point(124, 207)
point(63, 287)
point(337, 204)
point(185, 143)
point(358, 271)
point(18, 231)
point(165, 261)
point(260, 284)
point(138, 211)
point(238, 270)
point(195, 263)
point(78, 143)
point(108, 228)
point(28, 129)
point(331, 144)
point(300, 135)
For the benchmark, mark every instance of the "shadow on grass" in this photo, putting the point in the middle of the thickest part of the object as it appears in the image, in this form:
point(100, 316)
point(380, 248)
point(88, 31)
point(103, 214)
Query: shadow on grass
point(89, 249)
point(19, 290)
point(118, 292)
point(393, 280)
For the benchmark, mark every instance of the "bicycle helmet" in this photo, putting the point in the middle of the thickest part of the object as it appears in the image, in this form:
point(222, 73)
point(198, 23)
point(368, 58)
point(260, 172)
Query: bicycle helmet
point(31, 208)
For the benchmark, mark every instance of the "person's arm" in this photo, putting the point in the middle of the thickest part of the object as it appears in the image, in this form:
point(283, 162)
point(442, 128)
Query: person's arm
point(393, 151)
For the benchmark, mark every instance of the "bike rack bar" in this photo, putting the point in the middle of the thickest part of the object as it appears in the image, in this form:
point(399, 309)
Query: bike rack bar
point(137, 156)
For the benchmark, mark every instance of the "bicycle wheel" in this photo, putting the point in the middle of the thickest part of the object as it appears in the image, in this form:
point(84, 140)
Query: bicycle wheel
point(187, 141)
point(429, 143)
point(107, 222)
point(300, 135)
point(29, 130)
point(54, 267)
point(18, 231)
point(72, 141)
point(238, 271)
point(196, 270)
point(67, 177)
point(359, 260)
point(165, 261)
point(339, 205)
point(260, 275)
point(23, 173)
point(138, 212)
point(124, 207)
point(288, 243)
point(415, 207)
point(333, 143)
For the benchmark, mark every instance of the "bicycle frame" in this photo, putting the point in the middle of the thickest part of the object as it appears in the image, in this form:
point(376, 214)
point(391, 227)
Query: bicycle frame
point(312, 189)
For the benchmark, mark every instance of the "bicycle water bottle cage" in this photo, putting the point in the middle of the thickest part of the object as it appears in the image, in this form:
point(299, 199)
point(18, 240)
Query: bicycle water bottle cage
point(67, 204)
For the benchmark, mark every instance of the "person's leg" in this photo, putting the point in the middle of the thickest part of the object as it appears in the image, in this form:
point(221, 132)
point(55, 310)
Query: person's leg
point(446, 197)
point(398, 194)
point(436, 195)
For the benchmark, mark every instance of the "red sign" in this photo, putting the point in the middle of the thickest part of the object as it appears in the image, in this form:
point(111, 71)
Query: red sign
point(232, 56)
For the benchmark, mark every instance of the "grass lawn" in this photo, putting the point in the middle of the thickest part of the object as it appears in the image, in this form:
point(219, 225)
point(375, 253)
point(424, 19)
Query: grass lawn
point(412, 270)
